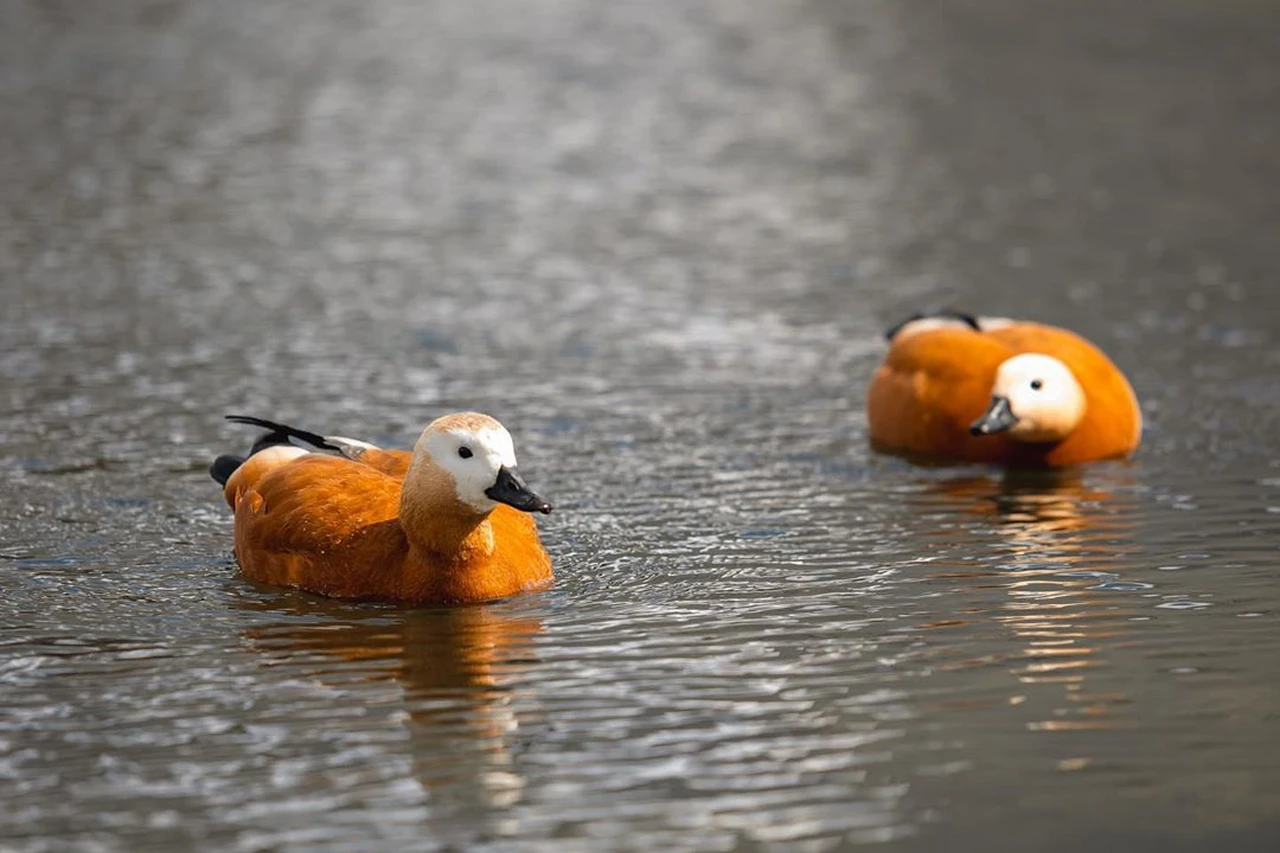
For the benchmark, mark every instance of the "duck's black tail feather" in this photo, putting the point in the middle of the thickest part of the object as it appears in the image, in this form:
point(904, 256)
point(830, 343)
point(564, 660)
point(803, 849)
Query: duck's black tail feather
point(950, 313)
point(280, 434)
point(224, 466)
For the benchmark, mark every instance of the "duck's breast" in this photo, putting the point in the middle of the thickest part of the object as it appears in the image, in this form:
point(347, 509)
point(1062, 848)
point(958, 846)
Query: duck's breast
point(509, 560)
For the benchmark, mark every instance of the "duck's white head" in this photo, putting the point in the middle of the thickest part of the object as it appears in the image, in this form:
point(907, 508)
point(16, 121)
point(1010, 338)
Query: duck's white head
point(478, 455)
point(1035, 398)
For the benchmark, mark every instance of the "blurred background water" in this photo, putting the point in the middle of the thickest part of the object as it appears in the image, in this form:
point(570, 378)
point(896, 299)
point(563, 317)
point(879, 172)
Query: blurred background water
point(659, 241)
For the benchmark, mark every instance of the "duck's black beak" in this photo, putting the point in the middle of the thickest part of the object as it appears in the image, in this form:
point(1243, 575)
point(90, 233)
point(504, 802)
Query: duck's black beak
point(998, 418)
point(511, 490)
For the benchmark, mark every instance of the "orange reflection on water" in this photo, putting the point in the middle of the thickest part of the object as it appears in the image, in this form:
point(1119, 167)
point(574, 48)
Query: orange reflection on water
point(1057, 537)
point(456, 669)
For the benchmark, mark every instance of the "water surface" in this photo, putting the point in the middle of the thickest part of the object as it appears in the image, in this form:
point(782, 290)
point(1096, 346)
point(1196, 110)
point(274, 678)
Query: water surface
point(659, 241)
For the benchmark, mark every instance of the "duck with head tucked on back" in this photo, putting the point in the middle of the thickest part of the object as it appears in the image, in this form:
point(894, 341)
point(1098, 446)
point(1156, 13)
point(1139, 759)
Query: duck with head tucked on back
point(447, 523)
point(957, 388)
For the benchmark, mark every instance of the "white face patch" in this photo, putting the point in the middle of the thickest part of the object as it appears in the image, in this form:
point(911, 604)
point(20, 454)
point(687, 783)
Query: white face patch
point(474, 458)
point(1043, 395)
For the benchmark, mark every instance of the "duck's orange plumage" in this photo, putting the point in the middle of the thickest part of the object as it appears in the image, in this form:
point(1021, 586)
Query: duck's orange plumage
point(951, 390)
point(428, 527)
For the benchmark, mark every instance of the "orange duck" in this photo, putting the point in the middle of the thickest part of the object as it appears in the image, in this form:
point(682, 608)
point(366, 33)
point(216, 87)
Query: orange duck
point(957, 388)
point(447, 523)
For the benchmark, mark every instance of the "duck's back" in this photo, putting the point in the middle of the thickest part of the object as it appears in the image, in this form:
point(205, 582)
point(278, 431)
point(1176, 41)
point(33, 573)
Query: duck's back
point(394, 463)
point(322, 523)
point(930, 387)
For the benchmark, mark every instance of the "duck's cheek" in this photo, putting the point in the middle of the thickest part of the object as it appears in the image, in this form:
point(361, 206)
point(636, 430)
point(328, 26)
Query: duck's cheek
point(472, 494)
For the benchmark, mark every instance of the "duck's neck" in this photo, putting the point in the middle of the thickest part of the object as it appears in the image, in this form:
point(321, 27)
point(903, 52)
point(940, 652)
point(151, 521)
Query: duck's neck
point(439, 527)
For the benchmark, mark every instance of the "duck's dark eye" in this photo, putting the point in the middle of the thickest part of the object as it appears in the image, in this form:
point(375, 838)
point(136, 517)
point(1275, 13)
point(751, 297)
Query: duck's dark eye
point(464, 452)
point(1036, 384)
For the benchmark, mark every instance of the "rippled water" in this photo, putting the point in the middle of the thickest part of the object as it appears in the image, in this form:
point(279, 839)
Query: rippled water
point(659, 241)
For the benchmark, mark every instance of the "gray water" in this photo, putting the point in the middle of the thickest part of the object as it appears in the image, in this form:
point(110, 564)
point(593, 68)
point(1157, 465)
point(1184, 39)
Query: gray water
point(659, 241)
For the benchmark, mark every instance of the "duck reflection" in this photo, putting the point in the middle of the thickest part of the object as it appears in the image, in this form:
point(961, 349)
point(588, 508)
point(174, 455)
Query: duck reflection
point(458, 670)
point(1061, 549)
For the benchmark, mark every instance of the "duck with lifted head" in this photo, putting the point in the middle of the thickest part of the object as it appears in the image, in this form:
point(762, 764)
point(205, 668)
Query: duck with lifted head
point(955, 388)
point(447, 523)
